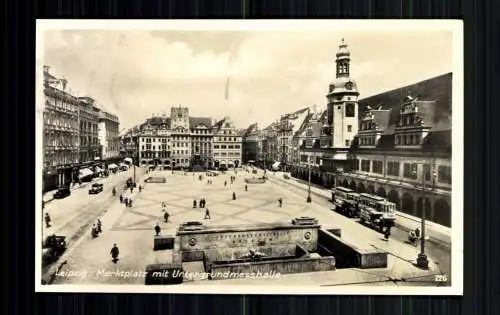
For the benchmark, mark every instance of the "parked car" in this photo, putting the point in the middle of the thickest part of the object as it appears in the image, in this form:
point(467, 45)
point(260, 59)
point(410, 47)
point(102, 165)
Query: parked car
point(96, 188)
point(62, 192)
point(52, 248)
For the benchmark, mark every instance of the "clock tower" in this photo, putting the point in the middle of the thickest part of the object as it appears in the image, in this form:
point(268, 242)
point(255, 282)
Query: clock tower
point(342, 106)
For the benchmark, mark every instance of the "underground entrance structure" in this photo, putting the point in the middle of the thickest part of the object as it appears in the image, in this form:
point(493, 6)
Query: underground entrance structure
point(221, 252)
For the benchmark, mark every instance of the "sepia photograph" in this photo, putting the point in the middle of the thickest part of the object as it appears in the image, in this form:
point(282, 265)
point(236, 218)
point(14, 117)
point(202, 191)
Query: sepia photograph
point(249, 157)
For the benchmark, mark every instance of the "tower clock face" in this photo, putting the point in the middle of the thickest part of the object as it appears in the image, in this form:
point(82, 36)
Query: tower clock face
point(348, 85)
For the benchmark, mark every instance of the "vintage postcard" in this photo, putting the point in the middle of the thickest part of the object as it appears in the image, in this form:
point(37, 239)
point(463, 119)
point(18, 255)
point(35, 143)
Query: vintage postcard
point(254, 157)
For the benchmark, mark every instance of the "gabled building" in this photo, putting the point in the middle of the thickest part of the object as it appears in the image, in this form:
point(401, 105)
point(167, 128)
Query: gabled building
point(227, 145)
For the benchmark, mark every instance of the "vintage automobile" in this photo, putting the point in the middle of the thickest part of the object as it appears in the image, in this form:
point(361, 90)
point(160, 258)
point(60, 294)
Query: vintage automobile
point(96, 188)
point(52, 248)
point(62, 192)
point(155, 180)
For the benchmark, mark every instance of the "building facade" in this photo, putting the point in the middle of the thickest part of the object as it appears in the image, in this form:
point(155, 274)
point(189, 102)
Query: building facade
point(88, 120)
point(392, 144)
point(60, 131)
point(227, 144)
point(109, 135)
point(183, 142)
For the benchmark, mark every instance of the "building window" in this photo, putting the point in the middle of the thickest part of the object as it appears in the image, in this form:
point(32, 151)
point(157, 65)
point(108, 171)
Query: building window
point(347, 143)
point(350, 110)
point(355, 165)
point(444, 174)
point(410, 170)
point(377, 167)
point(365, 165)
point(393, 168)
point(349, 128)
point(427, 172)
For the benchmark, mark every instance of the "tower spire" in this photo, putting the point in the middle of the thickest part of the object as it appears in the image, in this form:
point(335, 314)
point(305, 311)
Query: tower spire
point(343, 60)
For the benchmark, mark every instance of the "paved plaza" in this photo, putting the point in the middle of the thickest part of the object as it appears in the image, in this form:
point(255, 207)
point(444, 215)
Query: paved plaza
point(132, 230)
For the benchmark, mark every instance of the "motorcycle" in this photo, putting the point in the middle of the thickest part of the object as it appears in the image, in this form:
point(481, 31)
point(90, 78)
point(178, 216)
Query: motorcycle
point(94, 233)
point(413, 238)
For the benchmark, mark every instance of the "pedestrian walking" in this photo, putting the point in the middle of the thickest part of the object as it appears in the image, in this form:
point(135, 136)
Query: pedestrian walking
point(99, 226)
point(387, 233)
point(157, 229)
point(207, 214)
point(234, 195)
point(225, 183)
point(246, 187)
point(121, 198)
point(47, 220)
point(194, 203)
point(280, 201)
point(166, 215)
point(114, 253)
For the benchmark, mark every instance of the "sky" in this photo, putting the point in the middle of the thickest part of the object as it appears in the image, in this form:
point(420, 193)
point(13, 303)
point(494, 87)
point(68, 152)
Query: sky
point(135, 73)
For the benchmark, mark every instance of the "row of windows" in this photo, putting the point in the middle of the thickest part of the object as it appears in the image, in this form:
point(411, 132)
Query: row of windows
point(60, 158)
point(410, 170)
point(226, 154)
point(60, 103)
point(223, 146)
point(59, 140)
point(367, 140)
point(220, 139)
point(414, 139)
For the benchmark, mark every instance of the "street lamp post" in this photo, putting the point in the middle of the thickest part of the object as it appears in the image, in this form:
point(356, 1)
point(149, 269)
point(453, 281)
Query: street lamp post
point(422, 260)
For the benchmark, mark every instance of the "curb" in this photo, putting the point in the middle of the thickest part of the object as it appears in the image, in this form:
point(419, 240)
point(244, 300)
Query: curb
point(433, 240)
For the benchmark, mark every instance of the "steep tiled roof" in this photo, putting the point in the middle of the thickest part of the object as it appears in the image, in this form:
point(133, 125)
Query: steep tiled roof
point(304, 124)
point(433, 100)
point(195, 121)
point(219, 124)
point(250, 129)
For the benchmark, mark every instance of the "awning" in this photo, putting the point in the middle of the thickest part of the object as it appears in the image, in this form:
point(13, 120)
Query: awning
point(276, 165)
point(112, 166)
point(84, 172)
point(128, 160)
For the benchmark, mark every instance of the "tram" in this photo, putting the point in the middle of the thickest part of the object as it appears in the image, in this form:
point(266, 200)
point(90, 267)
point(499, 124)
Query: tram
point(345, 201)
point(376, 211)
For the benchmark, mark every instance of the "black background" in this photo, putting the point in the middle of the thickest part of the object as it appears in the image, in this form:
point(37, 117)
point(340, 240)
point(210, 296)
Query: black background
point(481, 186)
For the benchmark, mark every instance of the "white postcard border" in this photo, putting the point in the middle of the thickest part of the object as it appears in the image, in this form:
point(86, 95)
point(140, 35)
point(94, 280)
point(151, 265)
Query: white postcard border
point(454, 26)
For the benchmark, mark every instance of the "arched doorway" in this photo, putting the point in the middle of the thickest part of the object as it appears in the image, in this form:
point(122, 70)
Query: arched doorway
point(428, 210)
point(408, 204)
point(394, 197)
point(442, 212)
point(352, 185)
point(381, 192)
point(143, 162)
point(370, 189)
point(361, 188)
point(345, 183)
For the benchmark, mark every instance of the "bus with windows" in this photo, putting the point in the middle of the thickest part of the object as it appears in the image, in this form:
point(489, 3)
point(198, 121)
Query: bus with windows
point(345, 201)
point(376, 211)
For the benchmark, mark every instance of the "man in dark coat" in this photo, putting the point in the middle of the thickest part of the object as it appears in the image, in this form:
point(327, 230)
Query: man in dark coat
point(114, 253)
point(47, 220)
point(157, 229)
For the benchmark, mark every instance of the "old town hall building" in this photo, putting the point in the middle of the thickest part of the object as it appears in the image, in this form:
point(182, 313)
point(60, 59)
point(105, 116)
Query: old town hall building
point(392, 144)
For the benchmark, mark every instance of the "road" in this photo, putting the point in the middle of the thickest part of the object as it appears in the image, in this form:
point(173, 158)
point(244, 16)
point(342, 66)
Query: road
point(72, 216)
point(132, 228)
point(440, 254)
